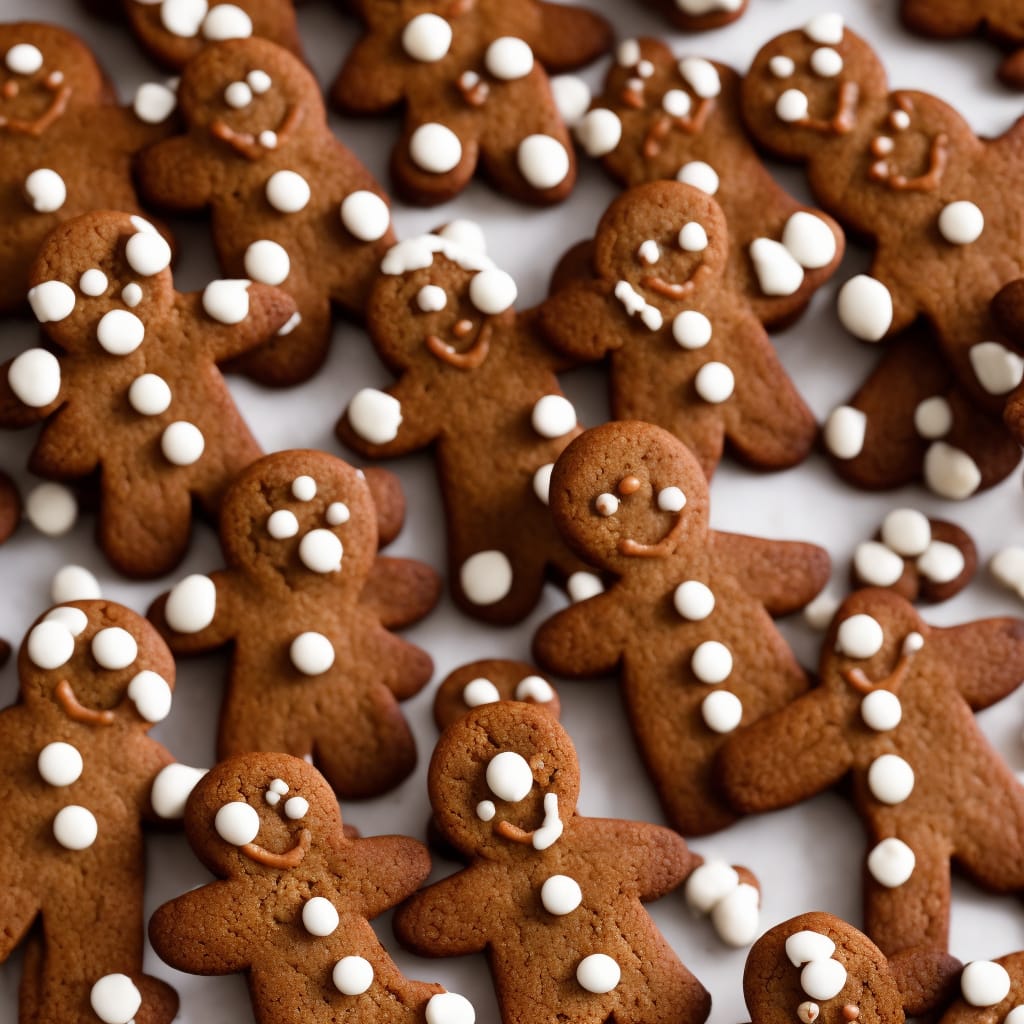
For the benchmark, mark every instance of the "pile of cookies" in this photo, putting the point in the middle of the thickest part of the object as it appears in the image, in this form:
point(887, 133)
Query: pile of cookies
point(298, 665)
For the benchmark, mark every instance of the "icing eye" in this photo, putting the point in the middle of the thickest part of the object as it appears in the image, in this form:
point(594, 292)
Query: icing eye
point(276, 790)
point(859, 636)
point(509, 777)
point(781, 66)
point(114, 648)
point(282, 524)
point(74, 619)
point(431, 299)
point(913, 643)
point(54, 78)
point(304, 488)
point(791, 106)
point(238, 95)
point(24, 59)
point(92, 283)
point(693, 237)
point(606, 504)
point(826, 62)
point(296, 807)
point(492, 291)
point(900, 120)
point(676, 103)
point(337, 513)
point(151, 695)
point(50, 645)
point(479, 691)
point(671, 499)
point(258, 81)
point(649, 252)
point(237, 823)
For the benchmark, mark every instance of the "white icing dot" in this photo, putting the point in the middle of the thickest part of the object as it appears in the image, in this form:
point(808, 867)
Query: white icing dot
point(715, 382)
point(711, 662)
point(791, 106)
point(543, 161)
point(844, 431)
point(961, 223)
point(183, 17)
point(778, 271)
point(182, 443)
point(582, 586)
point(865, 307)
point(365, 215)
point(823, 979)
point(826, 62)
point(691, 330)
point(700, 175)
point(906, 531)
point(693, 237)
point(1015, 1016)
point(74, 583)
point(51, 508)
point(509, 58)
point(296, 808)
point(267, 139)
point(881, 710)
point(492, 291)
point(781, 66)
point(805, 947)
point(131, 294)
point(810, 240)
point(34, 377)
point(676, 103)
point(671, 499)
point(75, 827)
point(282, 524)
point(320, 551)
point(542, 482)
point(287, 191)
point(238, 95)
point(23, 59)
point(375, 415)
point(820, 612)
point(572, 97)
point(933, 418)
point(709, 884)
point(227, 21)
point(876, 564)
point(154, 102)
point(73, 619)
point(311, 653)
point(149, 395)
point(115, 999)
point(479, 691)
point(191, 604)
point(267, 262)
point(826, 28)
point(259, 81)
point(598, 973)
point(449, 1008)
point(485, 810)
point(337, 514)
point(46, 190)
point(560, 895)
point(984, 983)
point(701, 76)
point(237, 823)
point(998, 369)
point(120, 332)
point(722, 711)
point(151, 695)
point(534, 689)
point(627, 54)
point(941, 562)
point(114, 648)
point(435, 148)
point(51, 301)
point(147, 253)
point(694, 600)
point(951, 472)
point(59, 764)
point(599, 131)
point(736, 918)
point(431, 299)
point(891, 863)
point(606, 504)
point(171, 789)
point(427, 38)
point(890, 779)
point(860, 636)
point(92, 283)
point(649, 252)
point(553, 416)
point(319, 917)
point(303, 488)
point(509, 777)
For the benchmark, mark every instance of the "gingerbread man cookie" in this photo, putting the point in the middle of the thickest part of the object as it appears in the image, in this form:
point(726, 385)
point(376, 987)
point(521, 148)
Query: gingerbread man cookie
point(664, 118)
point(555, 898)
point(904, 170)
point(134, 390)
point(896, 696)
point(472, 78)
point(291, 205)
point(687, 623)
point(79, 774)
point(490, 681)
point(686, 349)
point(294, 900)
point(476, 382)
point(700, 15)
point(990, 991)
point(314, 670)
point(56, 104)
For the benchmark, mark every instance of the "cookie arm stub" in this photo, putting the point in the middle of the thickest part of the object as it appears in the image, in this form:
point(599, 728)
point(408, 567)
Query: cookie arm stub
point(382, 424)
point(213, 624)
point(655, 859)
point(445, 919)
point(989, 658)
point(578, 323)
point(368, 83)
point(395, 867)
point(178, 175)
point(570, 36)
point(19, 911)
point(400, 591)
point(582, 640)
point(233, 317)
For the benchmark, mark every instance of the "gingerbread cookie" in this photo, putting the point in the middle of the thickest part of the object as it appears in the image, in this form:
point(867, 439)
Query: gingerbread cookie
point(896, 696)
point(664, 118)
point(314, 670)
point(687, 622)
point(686, 349)
point(904, 170)
point(553, 897)
point(920, 559)
point(700, 15)
point(911, 421)
point(79, 774)
point(291, 205)
point(991, 991)
point(10, 507)
point(1008, 312)
point(294, 901)
point(477, 383)
point(490, 681)
point(134, 390)
point(472, 79)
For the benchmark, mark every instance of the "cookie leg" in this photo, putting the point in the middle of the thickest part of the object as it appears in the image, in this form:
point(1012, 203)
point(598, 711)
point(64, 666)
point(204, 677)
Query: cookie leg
point(496, 578)
point(432, 163)
point(537, 167)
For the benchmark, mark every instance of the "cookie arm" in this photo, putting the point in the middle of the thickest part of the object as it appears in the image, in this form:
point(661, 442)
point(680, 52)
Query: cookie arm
point(223, 625)
point(201, 932)
point(988, 657)
point(652, 859)
point(19, 911)
point(393, 867)
point(578, 323)
point(400, 591)
point(13, 411)
point(369, 82)
point(179, 175)
point(570, 37)
point(582, 640)
point(402, 667)
point(382, 424)
point(265, 310)
point(448, 918)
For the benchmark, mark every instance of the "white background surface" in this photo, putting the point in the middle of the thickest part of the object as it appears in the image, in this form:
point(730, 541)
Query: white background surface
point(807, 857)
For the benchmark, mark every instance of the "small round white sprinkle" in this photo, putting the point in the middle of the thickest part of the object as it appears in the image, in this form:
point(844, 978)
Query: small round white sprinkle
point(119, 331)
point(303, 488)
point(671, 499)
point(599, 131)
point(791, 106)
point(891, 863)
point(881, 711)
point(51, 301)
point(147, 253)
point(238, 95)
point(151, 695)
point(296, 808)
point(237, 823)
point(933, 418)
point(693, 237)
point(711, 662)
point(319, 917)
point(449, 1008)
point(59, 764)
point(722, 711)
point(50, 645)
point(699, 175)
point(492, 291)
point(154, 102)
point(115, 999)
point(961, 223)
point(543, 161)
point(427, 38)
point(826, 62)
point(311, 653)
point(34, 377)
point(182, 443)
point(227, 21)
point(45, 190)
point(844, 432)
point(486, 577)
point(984, 983)
point(781, 66)
point(267, 262)
point(890, 779)
point(337, 513)
point(191, 604)
point(876, 564)
point(907, 532)
point(508, 58)
point(865, 307)
point(553, 416)
point(431, 299)
point(51, 508)
point(485, 810)
point(365, 215)
point(715, 382)
point(375, 415)
point(131, 294)
point(75, 827)
point(823, 979)
point(606, 504)
point(691, 329)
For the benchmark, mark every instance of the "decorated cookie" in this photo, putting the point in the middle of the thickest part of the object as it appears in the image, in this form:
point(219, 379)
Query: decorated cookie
point(1001, 20)
point(489, 681)
point(472, 79)
point(133, 390)
point(56, 104)
point(916, 557)
point(555, 898)
point(10, 507)
point(1008, 312)
point(665, 118)
point(700, 15)
point(79, 775)
point(476, 382)
point(687, 623)
point(896, 696)
point(294, 899)
point(291, 205)
point(306, 607)
point(686, 348)
point(910, 420)
point(904, 170)
point(990, 991)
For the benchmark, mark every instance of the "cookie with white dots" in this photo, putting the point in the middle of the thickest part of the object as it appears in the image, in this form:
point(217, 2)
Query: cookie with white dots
point(700, 15)
point(130, 391)
point(989, 990)
point(307, 606)
point(472, 79)
point(489, 681)
point(294, 899)
point(895, 696)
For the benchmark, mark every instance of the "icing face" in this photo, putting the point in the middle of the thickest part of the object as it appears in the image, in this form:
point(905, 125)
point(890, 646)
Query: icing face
point(254, 117)
point(872, 652)
point(272, 835)
point(510, 780)
point(33, 95)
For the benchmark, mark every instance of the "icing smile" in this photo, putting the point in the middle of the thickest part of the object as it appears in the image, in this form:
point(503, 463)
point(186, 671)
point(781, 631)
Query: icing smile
point(541, 837)
point(57, 105)
point(77, 711)
point(289, 859)
point(634, 549)
point(892, 682)
point(254, 147)
point(469, 359)
point(843, 118)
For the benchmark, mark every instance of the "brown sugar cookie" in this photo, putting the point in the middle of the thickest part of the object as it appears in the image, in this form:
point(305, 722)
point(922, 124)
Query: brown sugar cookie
point(687, 623)
point(905, 171)
point(294, 899)
point(79, 775)
point(477, 384)
point(472, 80)
point(659, 118)
point(291, 206)
point(306, 606)
point(896, 696)
point(686, 349)
point(489, 681)
point(555, 898)
point(133, 390)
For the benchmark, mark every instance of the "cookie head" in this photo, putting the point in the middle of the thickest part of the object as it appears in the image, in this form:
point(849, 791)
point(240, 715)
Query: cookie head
point(252, 97)
point(303, 518)
point(627, 495)
point(98, 663)
point(503, 781)
point(262, 811)
point(816, 969)
point(438, 300)
point(488, 681)
point(810, 85)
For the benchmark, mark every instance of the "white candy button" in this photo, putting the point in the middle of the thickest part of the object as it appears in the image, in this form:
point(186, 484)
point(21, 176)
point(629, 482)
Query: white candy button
point(890, 779)
point(598, 973)
point(984, 983)
point(115, 999)
point(311, 653)
point(319, 917)
point(287, 191)
point(237, 823)
point(560, 895)
point(75, 828)
point(891, 863)
point(352, 975)
point(553, 416)
point(486, 577)
point(711, 662)
point(59, 764)
point(881, 711)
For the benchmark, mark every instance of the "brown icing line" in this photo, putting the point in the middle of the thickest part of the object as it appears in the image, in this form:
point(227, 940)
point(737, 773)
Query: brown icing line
point(634, 549)
point(670, 289)
point(246, 143)
point(845, 117)
point(290, 859)
point(468, 360)
point(938, 159)
point(77, 712)
point(41, 123)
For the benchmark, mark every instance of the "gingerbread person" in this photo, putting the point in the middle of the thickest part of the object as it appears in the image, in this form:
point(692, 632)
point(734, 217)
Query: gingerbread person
point(896, 696)
point(687, 623)
point(306, 606)
point(291, 206)
point(663, 118)
point(904, 170)
point(686, 350)
point(79, 775)
point(134, 390)
point(472, 78)
point(56, 104)
point(477, 383)
point(555, 898)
